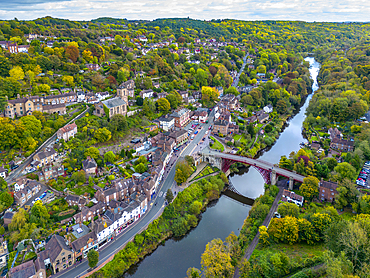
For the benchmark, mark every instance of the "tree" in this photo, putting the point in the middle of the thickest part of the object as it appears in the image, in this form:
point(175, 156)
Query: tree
point(232, 90)
point(290, 229)
point(281, 107)
point(288, 209)
point(93, 258)
point(163, 105)
point(140, 168)
point(169, 195)
point(102, 134)
point(19, 220)
point(32, 126)
point(6, 199)
point(309, 187)
point(180, 177)
point(98, 80)
point(17, 73)
point(92, 152)
point(79, 177)
point(216, 260)
point(109, 157)
point(264, 236)
point(193, 272)
point(209, 95)
point(39, 214)
point(347, 194)
point(72, 53)
point(344, 170)
point(172, 100)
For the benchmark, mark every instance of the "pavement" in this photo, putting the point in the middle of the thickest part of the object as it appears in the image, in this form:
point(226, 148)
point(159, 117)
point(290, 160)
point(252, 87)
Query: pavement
point(265, 223)
point(155, 209)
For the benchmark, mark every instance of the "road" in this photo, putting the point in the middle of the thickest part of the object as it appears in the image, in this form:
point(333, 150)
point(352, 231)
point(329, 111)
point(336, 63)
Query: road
point(236, 80)
point(265, 223)
point(256, 162)
point(18, 172)
point(153, 212)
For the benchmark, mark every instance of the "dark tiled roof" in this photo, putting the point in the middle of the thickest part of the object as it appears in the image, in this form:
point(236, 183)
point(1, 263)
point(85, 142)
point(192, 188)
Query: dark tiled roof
point(55, 246)
point(329, 184)
point(24, 270)
point(82, 241)
point(89, 163)
point(114, 102)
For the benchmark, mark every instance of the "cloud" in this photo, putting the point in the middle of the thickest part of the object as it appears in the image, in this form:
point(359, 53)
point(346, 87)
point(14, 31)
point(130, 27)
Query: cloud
point(307, 10)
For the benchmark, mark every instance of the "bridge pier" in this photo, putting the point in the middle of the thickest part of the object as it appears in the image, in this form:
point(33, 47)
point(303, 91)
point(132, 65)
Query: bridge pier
point(227, 173)
point(291, 182)
point(273, 177)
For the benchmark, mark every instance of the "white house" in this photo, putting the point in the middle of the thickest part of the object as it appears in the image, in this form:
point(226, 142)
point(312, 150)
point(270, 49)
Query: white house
point(166, 123)
point(268, 108)
point(291, 197)
point(3, 172)
point(80, 96)
point(67, 132)
point(146, 94)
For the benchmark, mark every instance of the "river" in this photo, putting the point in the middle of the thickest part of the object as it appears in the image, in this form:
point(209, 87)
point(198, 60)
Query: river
point(225, 215)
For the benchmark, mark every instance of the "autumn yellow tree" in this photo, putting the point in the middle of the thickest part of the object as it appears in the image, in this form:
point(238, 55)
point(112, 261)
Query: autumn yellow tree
point(264, 236)
point(290, 229)
point(17, 73)
point(216, 260)
point(310, 187)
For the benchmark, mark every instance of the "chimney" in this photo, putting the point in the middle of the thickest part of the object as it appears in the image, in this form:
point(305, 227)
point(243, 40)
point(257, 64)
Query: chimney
point(80, 224)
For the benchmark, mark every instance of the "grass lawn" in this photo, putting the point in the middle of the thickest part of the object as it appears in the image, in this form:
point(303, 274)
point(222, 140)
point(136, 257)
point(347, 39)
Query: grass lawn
point(237, 137)
point(295, 251)
point(217, 146)
point(206, 171)
point(314, 138)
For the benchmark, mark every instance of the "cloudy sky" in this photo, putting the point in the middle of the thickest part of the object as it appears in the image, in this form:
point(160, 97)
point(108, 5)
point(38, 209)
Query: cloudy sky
point(307, 10)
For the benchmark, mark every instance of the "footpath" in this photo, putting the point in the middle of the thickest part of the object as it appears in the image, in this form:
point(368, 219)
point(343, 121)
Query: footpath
point(266, 223)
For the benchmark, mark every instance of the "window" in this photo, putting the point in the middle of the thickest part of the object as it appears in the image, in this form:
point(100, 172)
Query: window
point(70, 263)
point(57, 262)
point(63, 259)
point(69, 256)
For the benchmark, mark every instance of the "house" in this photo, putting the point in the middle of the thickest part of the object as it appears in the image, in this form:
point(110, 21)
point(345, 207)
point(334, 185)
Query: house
point(84, 244)
point(181, 116)
point(268, 108)
point(8, 216)
point(3, 172)
point(28, 270)
point(146, 94)
point(156, 85)
point(67, 132)
point(4, 253)
point(75, 201)
point(335, 133)
point(46, 156)
point(57, 255)
point(180, 136)
point(224, 127)
point(184, 94)
point(93, 67)
point(126, 89)
point(262, 116)
point(115, 106)
point(31, 188)
point(103, 229)
point(315, 146)
point(59, 109)
point(342, 145)
point(89, 165)
point(291, 197)
point(99, 110)
point(200, 115)
point(327, 191)
point(51, 172)
point(229, 102)
point(166, 122)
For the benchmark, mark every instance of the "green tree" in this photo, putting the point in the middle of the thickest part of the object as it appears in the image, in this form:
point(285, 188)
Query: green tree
point(93, 258)
point(169, 195)
point(347, 194)
point(288, 209)
point(140, 168)
point(180, 177)
point(310, 187)
point(344, 170)
point(19, 220)
point(92, 152)
point(6, 199)
point(163, 105)
point(79, 176)
point(103, 134)
point(39, 214)
point(232, 90)
point(281, 107)
point(109, 157)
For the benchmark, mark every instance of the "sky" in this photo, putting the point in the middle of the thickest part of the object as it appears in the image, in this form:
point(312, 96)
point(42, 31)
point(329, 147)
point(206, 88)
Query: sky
point(306, 10)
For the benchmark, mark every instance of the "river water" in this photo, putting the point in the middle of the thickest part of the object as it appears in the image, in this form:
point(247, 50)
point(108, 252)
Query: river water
point(224, 216)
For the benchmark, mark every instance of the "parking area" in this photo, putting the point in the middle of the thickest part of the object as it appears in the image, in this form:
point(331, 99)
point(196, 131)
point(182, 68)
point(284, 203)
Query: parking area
point(362, 178)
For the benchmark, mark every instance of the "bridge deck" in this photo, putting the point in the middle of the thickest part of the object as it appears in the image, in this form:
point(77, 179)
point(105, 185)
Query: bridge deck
point(256, 162)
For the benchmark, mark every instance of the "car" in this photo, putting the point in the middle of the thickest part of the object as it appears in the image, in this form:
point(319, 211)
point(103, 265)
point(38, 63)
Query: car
point(192, 137)
point(206, 132)
point(196, 132)
point(210, 127)
point(277, 215)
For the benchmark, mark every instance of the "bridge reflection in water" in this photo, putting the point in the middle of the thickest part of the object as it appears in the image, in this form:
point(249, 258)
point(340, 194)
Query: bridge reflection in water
point(231, 192)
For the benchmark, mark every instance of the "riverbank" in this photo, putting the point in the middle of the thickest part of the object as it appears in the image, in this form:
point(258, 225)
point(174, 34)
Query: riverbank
point(177, 219)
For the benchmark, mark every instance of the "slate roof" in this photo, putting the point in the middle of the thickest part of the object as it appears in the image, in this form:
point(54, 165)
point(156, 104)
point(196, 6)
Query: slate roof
point(89, 163)
point(24, 270)
point(55, 246)
point(114, 102)
point(78, 244)
point(46, 153)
